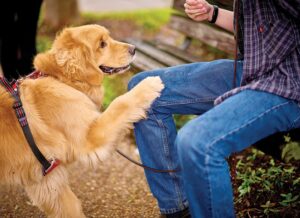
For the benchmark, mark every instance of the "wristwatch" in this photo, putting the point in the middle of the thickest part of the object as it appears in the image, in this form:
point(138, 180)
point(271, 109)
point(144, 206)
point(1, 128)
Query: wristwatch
point(215, 14)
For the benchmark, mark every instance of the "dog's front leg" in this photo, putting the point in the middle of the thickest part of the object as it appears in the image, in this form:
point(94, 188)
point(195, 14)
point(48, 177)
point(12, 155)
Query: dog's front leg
point(122, 113)
point(54, 196)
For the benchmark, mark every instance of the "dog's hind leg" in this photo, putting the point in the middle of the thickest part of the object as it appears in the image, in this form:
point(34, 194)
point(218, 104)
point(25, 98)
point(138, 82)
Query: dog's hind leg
point(121, 114)
point(55, 197)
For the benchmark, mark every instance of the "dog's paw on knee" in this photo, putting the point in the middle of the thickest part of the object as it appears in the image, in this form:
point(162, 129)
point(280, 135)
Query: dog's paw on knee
point(150, 88)
point(154, 83)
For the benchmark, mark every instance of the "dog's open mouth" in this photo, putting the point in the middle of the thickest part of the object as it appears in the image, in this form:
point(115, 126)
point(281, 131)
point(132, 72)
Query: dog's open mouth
point(113, 70)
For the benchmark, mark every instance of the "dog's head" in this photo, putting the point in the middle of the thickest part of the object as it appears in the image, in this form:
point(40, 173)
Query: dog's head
point(85, 54)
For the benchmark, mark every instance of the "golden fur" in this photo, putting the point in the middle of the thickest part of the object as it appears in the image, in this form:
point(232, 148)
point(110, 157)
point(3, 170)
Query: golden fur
point(63, 114)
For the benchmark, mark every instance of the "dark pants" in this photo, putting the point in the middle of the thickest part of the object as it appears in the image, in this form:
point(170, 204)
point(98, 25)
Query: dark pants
point(18, 23)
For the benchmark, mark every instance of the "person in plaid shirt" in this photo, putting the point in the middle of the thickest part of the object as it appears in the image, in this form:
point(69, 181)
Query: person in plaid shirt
point(265, 101)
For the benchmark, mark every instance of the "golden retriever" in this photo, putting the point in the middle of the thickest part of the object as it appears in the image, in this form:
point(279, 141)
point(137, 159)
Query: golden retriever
point(63, 112)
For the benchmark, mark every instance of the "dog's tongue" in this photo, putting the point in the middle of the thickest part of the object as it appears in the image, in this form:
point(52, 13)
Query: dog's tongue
point(106, 69)
point(111, 70)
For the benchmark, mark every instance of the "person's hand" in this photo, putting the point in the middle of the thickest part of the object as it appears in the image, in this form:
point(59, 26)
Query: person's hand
point(198, 10)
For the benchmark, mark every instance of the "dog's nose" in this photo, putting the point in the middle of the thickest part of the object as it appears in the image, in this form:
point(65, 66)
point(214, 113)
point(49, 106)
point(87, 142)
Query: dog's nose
point(132, 50)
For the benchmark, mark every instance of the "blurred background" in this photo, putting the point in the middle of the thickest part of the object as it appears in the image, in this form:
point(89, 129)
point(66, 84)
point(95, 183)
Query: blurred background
point(121, 5)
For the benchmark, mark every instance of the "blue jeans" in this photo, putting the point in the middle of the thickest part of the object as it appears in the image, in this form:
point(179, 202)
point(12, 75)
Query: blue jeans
point(201, 147)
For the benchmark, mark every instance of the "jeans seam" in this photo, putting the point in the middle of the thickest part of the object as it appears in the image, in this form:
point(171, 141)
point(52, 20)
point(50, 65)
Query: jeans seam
point(169, 165)
point(174, 210)
point(209, 187)
point(190, 101)
point(246, 124)
point(294, 122)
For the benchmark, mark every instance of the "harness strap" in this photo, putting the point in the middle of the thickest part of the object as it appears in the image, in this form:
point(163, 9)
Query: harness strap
point(48, 166)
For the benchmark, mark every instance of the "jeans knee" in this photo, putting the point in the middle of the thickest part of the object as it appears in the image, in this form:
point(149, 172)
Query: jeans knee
point(136, 79)
point(196, 145)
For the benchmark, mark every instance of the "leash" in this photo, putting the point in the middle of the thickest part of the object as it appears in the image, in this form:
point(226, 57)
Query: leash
point(236, 41)
point(232, 158)
point(144, 166)
point(48, 166)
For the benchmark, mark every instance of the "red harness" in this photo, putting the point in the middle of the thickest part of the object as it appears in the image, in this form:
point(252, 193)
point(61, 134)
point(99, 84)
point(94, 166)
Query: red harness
point(13, 89)
point(34, 75)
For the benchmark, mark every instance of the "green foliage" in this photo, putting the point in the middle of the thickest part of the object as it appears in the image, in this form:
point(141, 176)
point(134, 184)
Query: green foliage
point(291, 150)
point(43, 43)
point(115, 86)
point(268, 187)
point(180, 120)
point(151, 19)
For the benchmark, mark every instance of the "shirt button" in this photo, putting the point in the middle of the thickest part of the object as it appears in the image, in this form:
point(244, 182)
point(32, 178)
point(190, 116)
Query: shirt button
point(261, 29)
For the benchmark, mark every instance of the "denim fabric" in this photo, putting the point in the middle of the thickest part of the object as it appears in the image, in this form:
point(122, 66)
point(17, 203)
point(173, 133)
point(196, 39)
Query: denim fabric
point(202, 145)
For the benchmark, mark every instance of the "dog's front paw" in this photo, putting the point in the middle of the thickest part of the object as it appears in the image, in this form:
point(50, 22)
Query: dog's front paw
point(148, 90)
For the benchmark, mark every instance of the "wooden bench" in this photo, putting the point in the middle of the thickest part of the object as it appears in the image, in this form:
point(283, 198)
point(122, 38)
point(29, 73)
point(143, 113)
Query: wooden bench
point(173, 49)
point(165, 51)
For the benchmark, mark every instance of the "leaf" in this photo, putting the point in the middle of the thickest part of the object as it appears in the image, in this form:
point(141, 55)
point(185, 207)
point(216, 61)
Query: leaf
point(268, 204)
point(296, 181)
point(291, 151)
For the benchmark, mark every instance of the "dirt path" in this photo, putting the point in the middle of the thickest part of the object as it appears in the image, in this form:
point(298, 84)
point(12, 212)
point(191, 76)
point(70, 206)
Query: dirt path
point(116, 189)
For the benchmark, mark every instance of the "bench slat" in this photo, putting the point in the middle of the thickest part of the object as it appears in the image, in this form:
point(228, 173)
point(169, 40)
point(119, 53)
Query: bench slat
point(159, 55)
point(211, 36)
point(144, 62)
point(188, 58)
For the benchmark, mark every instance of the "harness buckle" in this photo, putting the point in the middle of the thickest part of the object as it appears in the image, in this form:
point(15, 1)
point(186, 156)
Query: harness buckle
point(53, 163)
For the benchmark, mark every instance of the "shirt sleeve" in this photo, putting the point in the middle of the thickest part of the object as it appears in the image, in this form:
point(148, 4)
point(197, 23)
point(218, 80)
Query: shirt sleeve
point(291, 7)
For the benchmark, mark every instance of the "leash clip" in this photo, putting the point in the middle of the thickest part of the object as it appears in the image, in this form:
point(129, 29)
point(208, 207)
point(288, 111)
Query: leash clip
point(53, 163)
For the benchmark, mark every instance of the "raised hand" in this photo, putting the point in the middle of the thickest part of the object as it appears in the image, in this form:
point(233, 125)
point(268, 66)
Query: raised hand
point(198, 10)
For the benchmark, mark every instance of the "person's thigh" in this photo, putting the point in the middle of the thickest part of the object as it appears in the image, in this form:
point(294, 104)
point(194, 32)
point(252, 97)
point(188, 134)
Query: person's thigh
point(244, 119)
point(191, 88)
point(204, 144)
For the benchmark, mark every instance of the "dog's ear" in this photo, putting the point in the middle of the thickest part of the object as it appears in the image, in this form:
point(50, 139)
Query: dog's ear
point(75, 59)
point(70, 63)
point(44, 62)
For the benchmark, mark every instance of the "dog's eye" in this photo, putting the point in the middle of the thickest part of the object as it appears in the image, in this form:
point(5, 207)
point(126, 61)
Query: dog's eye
point(103, 44)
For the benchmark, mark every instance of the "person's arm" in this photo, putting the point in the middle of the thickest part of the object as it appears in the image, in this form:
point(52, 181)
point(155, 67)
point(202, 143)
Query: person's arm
point(201, 10)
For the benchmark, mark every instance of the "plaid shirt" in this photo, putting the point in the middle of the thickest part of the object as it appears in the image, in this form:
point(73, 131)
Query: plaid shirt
point(271, 48)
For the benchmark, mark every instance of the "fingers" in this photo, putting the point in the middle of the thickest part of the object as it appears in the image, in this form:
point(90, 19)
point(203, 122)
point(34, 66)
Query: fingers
point(195, 7)
point(192, 2)
point(198, 10)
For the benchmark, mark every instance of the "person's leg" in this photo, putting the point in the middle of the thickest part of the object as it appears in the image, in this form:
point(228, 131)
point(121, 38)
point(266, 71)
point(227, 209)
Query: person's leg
point(28, 15)
point(204, 144)
point(189, 89)
point(9, 42)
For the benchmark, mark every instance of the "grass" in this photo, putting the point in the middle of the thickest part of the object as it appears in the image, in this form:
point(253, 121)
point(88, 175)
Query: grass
point(149, 20)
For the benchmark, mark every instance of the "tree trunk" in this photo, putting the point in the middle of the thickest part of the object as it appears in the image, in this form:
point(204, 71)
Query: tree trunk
point(60, 13)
